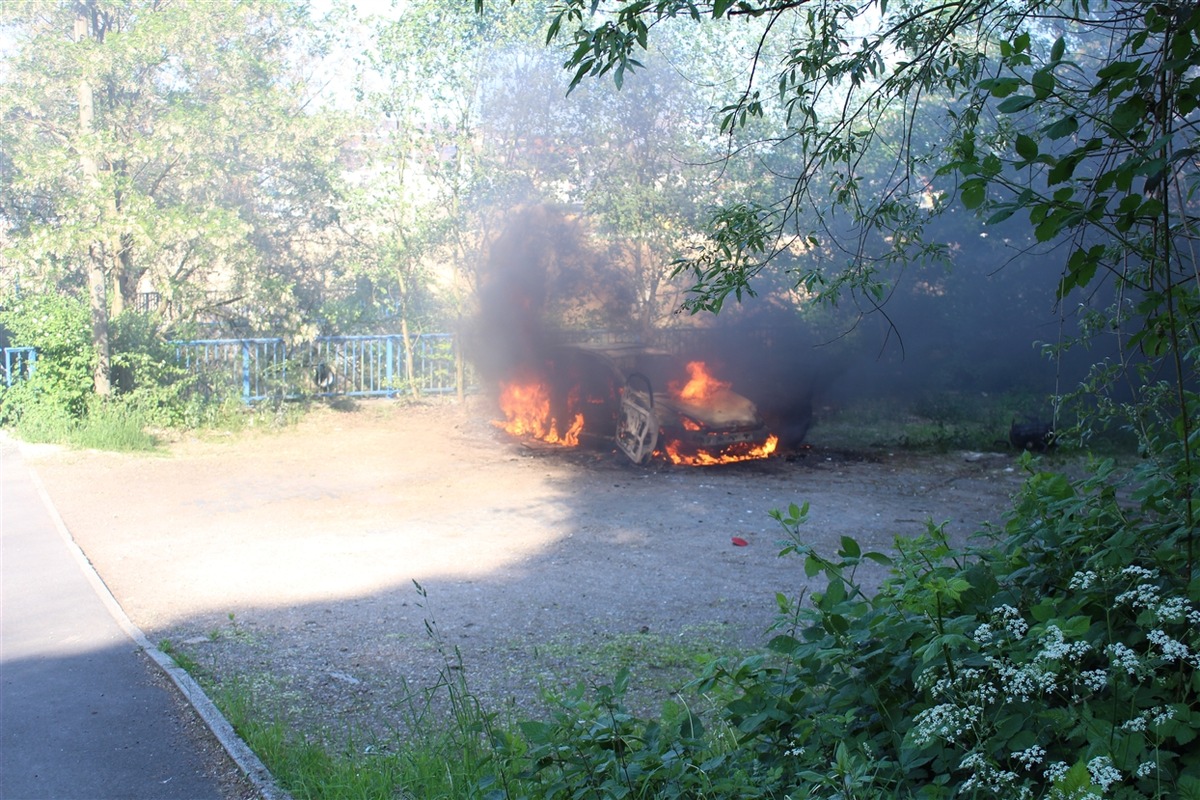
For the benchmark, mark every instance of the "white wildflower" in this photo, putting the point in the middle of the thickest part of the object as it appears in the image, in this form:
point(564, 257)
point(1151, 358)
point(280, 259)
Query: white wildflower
point(946, 721)
point(1055, 647)
point(986, 777)
point(1057, 771)
point(1145, 769)
point(1022, 683)
point(1171, 650)
point(1123, 658)
point(1013, 623)
point(1094, 679)
point(1030, 757)
point(1144, 595)
point(1173, 609)
point(1103, 773)
point(1083, 580)
point(1162, 714)
point(972, 760)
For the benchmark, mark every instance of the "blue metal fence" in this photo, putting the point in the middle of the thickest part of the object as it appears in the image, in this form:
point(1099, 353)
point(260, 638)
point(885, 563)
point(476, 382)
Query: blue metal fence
point(355, 366)
point(19, 363)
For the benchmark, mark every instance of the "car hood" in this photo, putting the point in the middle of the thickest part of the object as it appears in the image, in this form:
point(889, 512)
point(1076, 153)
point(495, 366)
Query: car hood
point(722, 409)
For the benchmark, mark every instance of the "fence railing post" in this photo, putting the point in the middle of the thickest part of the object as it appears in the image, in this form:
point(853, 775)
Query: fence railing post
point(25, 359)
point(245, 372)
point(388, 369)
point(353, 363)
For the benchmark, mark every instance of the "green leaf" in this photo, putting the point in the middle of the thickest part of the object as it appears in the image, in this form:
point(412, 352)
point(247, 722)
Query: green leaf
point(1057, 50)
point(1016, 103)
point(1081, 268)
point(784, 645)
point(1049, 229)
point(1062, 128)
point(1189, 785)
point(691, 727)
point(1004, 213)
point(1119, 69)
point(1001, 87)
point(1043, 84)
point(1064, 169)
point(536, 732)
point(1129, 114)
point(1027, 148)
point(1076, 780)
point(973, 192)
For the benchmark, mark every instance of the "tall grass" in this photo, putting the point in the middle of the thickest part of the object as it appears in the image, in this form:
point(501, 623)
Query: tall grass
point(446, 756)
point(106, 425)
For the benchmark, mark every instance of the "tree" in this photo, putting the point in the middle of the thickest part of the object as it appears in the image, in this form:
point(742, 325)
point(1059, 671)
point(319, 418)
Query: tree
point(165, 145)
point(1044, 664)
point(646, 173)
point(1080, 119)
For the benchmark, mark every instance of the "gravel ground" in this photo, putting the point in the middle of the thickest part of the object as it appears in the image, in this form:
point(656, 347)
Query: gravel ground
point(287, 559)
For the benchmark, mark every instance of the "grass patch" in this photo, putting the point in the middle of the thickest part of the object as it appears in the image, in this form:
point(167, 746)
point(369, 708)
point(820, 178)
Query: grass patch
point(659, 665)
point(126, 424)
point(106, 425)
point(445, 759)
point(113, 426)
point(446, 743)
point(935, 422)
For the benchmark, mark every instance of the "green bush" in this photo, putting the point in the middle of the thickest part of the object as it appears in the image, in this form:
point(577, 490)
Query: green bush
point(117, 423)
point(1059, 658)
point(147, 376)
point(57, 403)
point(58, 326)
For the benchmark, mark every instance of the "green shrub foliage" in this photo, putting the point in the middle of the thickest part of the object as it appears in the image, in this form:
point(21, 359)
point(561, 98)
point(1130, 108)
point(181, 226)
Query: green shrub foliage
point(1057, 657)
point(57, 402)
point(57, 325)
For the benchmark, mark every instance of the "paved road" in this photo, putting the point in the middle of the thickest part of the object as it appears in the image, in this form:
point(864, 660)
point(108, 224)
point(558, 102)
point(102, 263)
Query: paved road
point(84, 711)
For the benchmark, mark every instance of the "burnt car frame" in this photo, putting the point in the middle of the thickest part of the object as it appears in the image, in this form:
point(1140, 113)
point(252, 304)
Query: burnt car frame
point(626, 389)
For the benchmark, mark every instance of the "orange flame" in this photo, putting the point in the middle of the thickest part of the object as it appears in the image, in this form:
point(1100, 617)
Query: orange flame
point(701, 385)
point(526, 408)
point(677, 454)
point(526, 404)
point(702, 389)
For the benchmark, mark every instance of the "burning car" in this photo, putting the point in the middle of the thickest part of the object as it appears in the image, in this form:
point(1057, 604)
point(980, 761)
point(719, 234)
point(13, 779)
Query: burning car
point(651, 402)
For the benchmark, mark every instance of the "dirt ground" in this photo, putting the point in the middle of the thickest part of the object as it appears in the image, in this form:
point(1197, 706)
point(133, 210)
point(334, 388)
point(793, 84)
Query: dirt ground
point(286, 559)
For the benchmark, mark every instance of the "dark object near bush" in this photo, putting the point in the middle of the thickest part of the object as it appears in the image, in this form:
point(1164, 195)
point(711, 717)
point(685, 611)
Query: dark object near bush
point(1036, 436)
point(324, 376)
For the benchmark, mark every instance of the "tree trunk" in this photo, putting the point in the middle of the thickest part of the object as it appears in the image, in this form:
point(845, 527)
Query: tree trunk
point(129, 277)
point(98, 300)
point(409, 375)
point(460, 369)
point(97, 291)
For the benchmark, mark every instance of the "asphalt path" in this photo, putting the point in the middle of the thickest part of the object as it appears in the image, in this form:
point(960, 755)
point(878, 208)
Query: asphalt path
point(88, 708)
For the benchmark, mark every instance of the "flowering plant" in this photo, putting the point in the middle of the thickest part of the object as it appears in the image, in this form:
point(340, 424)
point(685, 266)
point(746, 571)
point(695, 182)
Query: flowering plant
point(1059, 658)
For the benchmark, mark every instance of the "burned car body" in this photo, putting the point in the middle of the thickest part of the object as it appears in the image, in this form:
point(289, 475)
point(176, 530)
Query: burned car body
point(654, 402)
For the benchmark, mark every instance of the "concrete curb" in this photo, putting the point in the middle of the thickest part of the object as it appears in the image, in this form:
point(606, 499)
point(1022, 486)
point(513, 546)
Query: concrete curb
point(241, 754)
